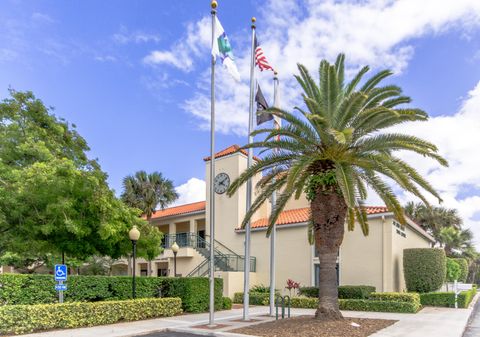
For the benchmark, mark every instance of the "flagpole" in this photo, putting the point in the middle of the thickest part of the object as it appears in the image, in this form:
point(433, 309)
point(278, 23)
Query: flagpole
point(246, 270)
point(212, 177)
point(273, 234)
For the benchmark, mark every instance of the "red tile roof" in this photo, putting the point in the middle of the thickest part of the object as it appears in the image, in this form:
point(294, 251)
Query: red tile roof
point(301, 215)
point(229, 150)
point(178, 210)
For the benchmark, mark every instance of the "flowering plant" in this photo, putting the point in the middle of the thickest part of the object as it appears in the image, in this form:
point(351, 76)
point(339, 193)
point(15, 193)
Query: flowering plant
point(292, 285)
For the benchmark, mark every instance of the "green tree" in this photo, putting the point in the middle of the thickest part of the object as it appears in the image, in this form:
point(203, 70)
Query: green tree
point(453, 270)
point(148, 246)
point(51, 195)
point(148, 191)
point(433, 219)
point(333, 149)
point(456, 240)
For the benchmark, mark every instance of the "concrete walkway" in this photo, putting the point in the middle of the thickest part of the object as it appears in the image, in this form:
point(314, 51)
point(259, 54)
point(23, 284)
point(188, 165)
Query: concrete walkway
point(429, 322)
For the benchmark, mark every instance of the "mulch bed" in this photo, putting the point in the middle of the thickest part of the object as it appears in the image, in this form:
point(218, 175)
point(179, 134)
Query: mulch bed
point(205, 326)
point(307, 326)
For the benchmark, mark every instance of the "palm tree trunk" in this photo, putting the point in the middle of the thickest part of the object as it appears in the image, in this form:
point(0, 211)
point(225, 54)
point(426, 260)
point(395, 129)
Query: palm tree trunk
point(329, 212)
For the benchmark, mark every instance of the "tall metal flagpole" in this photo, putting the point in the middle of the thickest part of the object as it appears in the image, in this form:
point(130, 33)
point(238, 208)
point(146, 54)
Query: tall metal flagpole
point(212, 177)
point(273, 234)
point(246, 271)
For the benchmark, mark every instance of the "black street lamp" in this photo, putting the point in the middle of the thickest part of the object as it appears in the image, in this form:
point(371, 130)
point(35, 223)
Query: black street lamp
point(175, 249)
point(134, 235)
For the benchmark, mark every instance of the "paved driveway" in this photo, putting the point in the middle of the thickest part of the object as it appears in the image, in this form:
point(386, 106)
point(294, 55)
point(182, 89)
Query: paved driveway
point(169, 334)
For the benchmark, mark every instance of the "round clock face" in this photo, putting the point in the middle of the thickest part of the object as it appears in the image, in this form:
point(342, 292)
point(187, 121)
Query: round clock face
point(222, 181)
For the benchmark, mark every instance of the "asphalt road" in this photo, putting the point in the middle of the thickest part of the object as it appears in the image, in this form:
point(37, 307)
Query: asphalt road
point(169, 334)
point(473, 327)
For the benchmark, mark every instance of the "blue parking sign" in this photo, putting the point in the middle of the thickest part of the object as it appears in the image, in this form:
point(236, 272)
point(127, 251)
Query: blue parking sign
point(60, 287)
point(60, 272)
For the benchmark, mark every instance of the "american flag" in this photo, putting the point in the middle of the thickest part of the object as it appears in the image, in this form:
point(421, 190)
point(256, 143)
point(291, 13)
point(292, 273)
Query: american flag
point(260, 59)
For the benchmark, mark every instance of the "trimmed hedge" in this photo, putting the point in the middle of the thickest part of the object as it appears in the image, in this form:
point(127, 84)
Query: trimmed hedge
point(424, 269)
point(463, 264)
point(358, 305)
point(355, 292)
point(18, 319)
point(413, 298)
point(378, 306)
point(453, 270)
point(344, 292)
point(447, 299)
point(227, 303)
point(39, 289)
point(255, 298)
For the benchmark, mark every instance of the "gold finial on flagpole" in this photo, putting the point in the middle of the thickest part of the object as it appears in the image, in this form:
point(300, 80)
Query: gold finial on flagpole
point(214, 4)
point(254, 19)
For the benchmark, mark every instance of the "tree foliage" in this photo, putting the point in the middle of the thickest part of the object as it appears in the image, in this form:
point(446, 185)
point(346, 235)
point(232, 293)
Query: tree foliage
point(147, 191)
point(52, 196)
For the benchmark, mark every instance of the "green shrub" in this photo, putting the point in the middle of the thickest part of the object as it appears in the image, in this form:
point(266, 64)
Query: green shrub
point(355, 292)
point(194, 292)
point(378, 306)
point(358, 305)
point(304, 302)
point(447, 299)
point(424, 269)
point(260, 288)
point(453, 270)
point(413, 298)
point(38, 289)
point(255, 298)
point(463, 264)
point(28, 318)
point(227, 303)
point(308, 291)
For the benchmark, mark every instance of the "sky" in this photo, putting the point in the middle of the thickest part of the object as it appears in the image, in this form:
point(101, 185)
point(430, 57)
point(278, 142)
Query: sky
point(134, 76)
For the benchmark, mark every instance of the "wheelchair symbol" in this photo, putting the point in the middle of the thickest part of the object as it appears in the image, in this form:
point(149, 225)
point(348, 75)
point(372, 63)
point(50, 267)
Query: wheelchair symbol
point(60, 272)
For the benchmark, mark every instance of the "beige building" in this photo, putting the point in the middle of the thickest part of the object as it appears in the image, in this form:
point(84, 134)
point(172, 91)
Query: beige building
point(373, 260)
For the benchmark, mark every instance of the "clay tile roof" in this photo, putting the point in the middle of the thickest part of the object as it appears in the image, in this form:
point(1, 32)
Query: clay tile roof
point(178, 210)
point(229, 150)
point(301, 215)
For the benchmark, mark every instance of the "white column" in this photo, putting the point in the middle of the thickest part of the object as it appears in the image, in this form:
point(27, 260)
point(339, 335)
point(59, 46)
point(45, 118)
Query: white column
point(193, 227)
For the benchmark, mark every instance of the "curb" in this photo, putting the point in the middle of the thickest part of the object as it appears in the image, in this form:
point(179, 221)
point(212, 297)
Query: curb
point(473, 305)
point(207, 333)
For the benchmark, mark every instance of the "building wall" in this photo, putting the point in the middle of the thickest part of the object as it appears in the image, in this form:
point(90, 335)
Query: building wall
point(412, 239)
point(361, 256)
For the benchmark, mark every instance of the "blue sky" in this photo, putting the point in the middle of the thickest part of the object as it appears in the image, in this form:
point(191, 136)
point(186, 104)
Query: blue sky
point(133, 76)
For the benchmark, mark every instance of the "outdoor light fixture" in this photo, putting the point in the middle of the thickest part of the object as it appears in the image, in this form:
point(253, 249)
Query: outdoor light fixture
point(175, 249)
point(134, 235)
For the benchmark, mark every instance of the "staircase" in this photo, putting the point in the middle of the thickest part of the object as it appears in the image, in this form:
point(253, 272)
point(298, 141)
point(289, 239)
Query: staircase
point(225, 258)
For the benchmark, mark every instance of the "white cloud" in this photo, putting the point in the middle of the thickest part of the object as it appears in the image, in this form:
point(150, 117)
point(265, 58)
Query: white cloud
point(193, 190)
point(376, 32)
point(106, 58)
point(124, 36)
point(181, 55)
point(40, 17)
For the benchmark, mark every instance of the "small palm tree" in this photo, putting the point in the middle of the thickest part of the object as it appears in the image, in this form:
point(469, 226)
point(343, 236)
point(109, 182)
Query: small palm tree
point(456, 240)
point(332, 149)
point(433, 219)
point(147, 192)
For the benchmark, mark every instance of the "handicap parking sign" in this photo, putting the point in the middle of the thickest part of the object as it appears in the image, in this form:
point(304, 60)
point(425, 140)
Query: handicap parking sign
point(60, 272)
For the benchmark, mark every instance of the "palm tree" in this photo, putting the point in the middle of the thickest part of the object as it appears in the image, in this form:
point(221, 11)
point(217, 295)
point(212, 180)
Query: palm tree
point(433, 219)
point(456, 240)
point(147, 192)
point(332, 150)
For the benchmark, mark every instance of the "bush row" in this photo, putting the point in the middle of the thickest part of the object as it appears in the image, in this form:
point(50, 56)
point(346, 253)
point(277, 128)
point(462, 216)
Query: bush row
point(359, 305)
point(344, 292)
point(447, 299)
point(39, 289)
point(18, 319)
point(255, 298)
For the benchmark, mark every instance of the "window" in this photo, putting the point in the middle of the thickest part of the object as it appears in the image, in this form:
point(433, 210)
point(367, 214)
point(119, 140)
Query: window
point(317, 273)
point(399, 229)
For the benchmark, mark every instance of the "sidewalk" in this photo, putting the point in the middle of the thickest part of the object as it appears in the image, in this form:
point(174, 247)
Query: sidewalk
point(434, 322)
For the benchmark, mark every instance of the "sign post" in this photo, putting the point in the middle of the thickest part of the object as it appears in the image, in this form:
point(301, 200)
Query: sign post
point(60, 273)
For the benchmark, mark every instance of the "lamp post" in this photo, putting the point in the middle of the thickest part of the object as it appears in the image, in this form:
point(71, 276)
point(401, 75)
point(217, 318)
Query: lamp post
point(134, 235)
point(175, 249)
